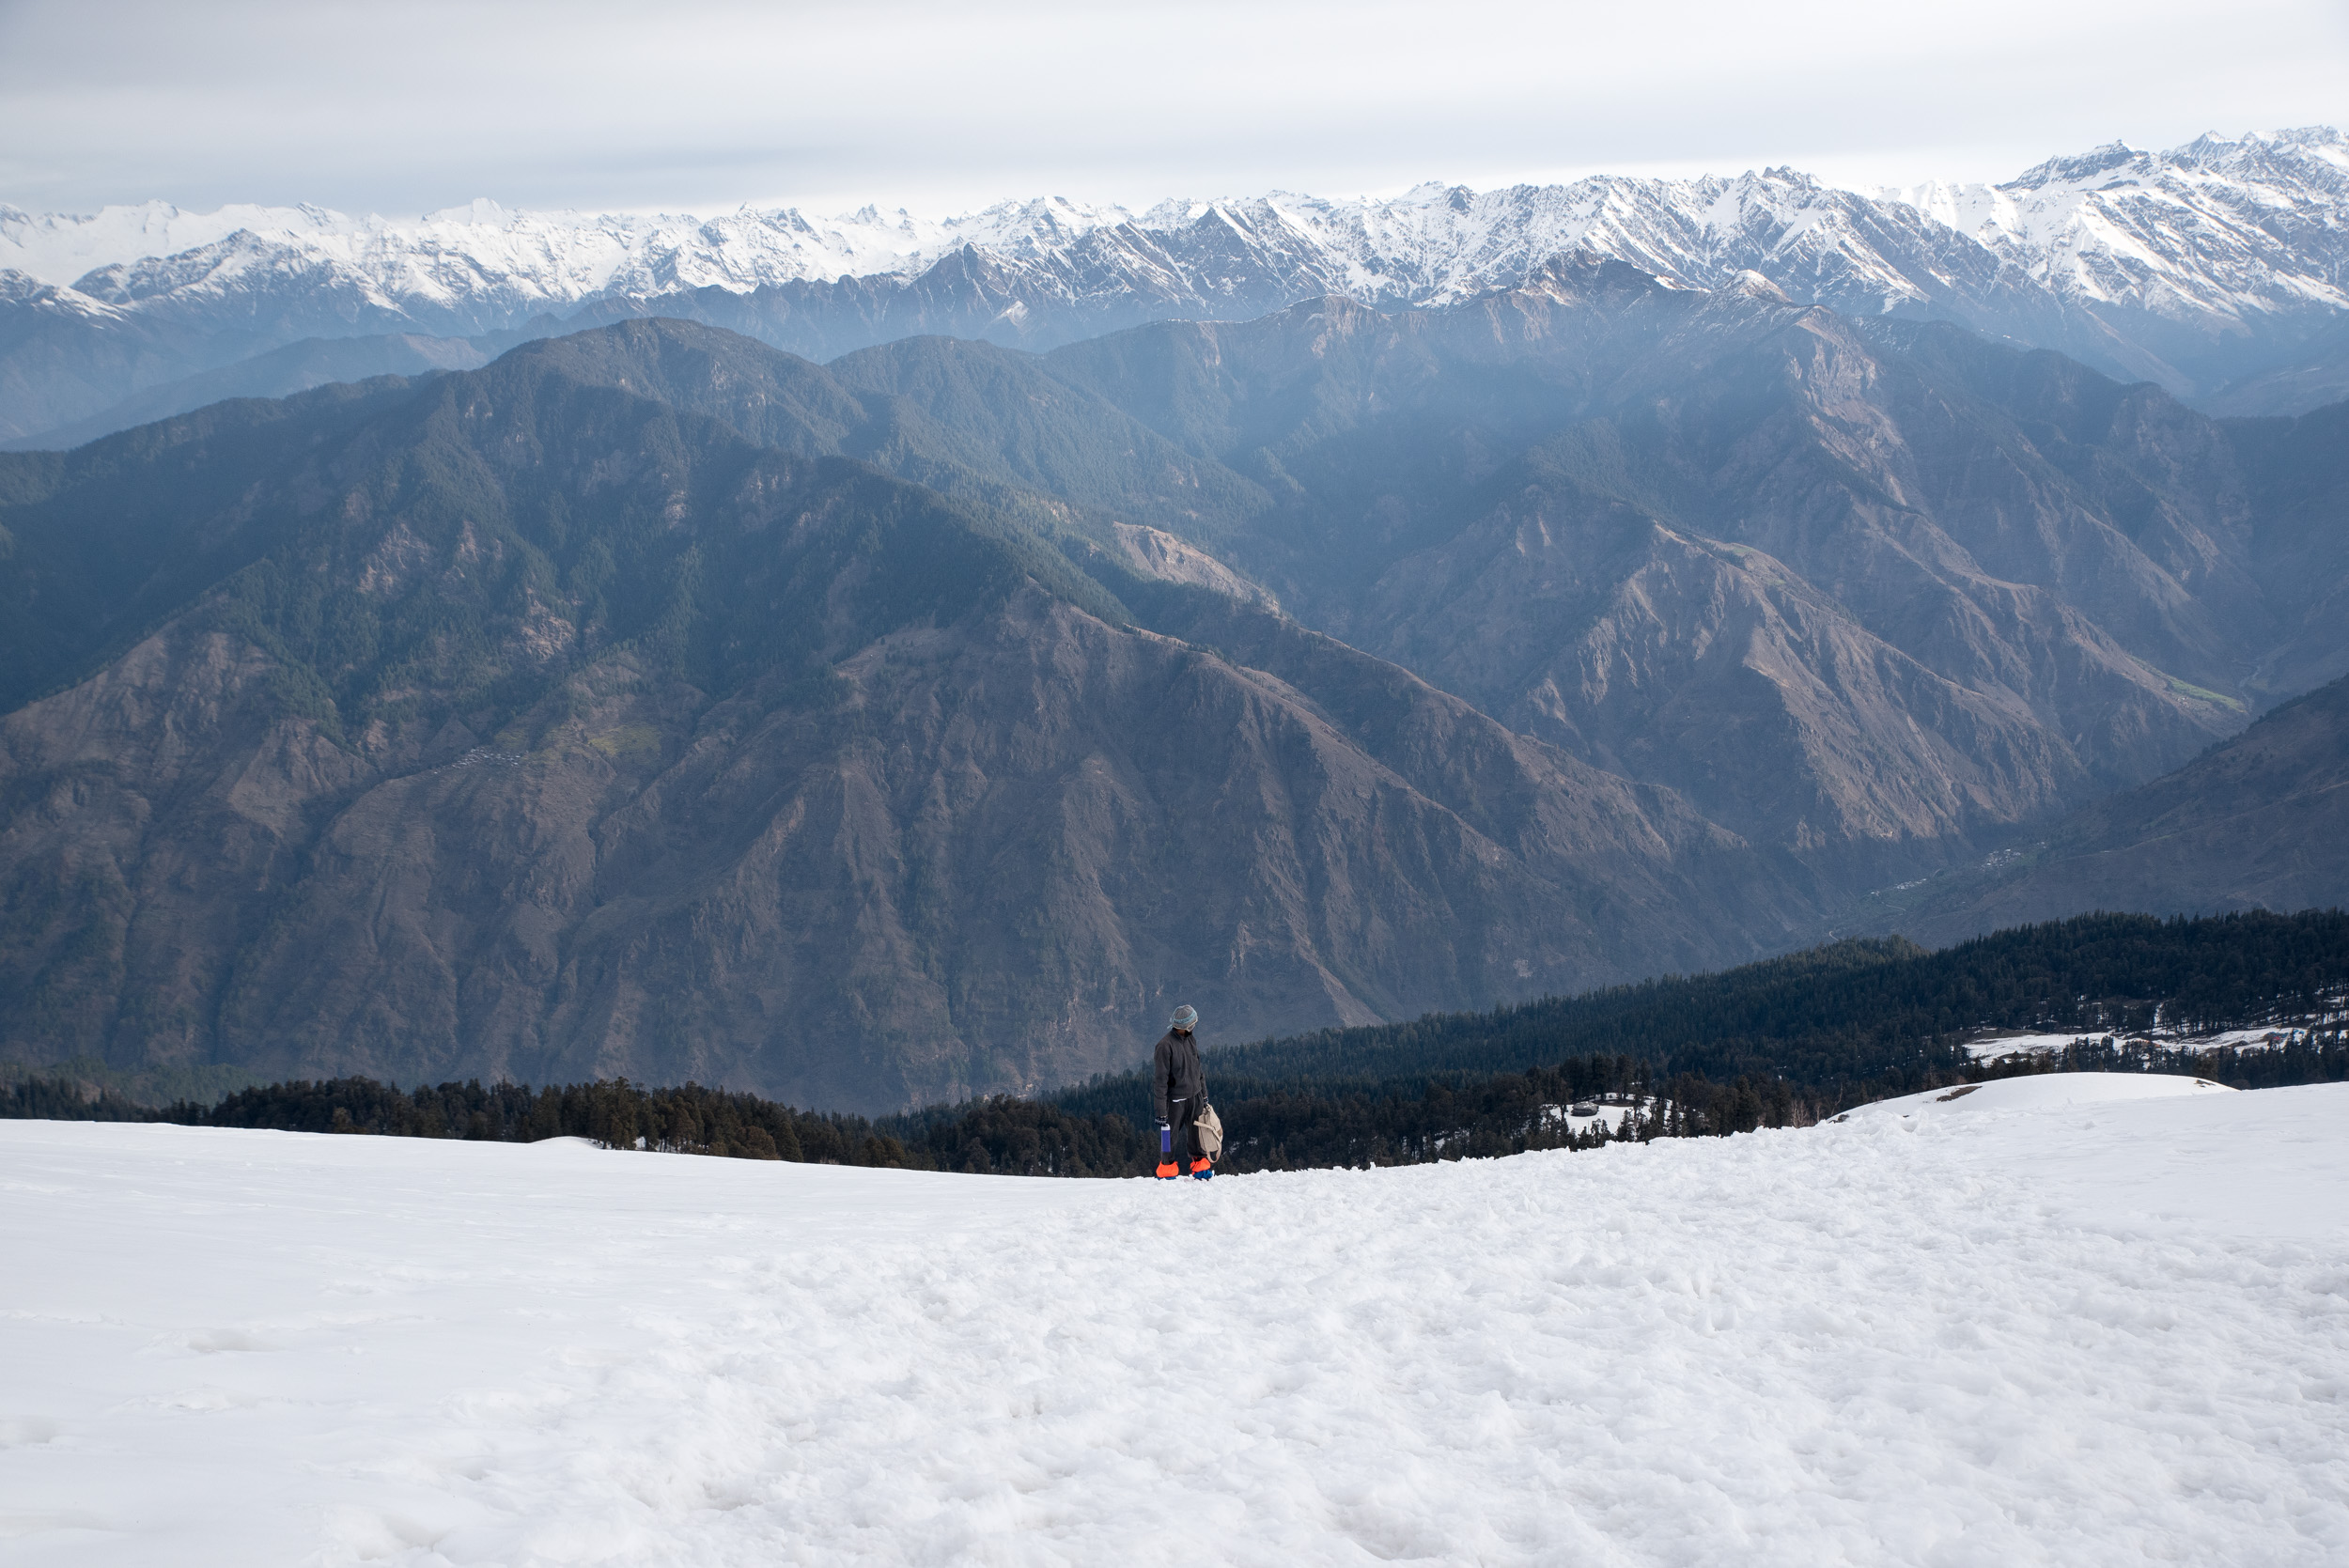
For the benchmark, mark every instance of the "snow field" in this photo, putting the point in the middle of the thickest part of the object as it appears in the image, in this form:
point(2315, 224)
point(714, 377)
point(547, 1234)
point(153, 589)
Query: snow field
point(2035, 1092)
point(2028, 1045)
point(2083, 1331)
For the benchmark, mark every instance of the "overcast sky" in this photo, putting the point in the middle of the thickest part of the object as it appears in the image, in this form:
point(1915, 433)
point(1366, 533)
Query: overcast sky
point(691, 106)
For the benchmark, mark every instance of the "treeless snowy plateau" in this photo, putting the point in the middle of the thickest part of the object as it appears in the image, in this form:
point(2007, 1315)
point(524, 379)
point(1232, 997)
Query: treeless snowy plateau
point(2064, 1320)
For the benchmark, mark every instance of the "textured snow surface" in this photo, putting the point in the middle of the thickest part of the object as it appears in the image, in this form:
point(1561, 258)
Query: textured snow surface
point(2101, 1331)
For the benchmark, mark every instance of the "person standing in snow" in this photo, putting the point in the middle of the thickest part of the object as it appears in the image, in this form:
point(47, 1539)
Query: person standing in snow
point(1179, 1088)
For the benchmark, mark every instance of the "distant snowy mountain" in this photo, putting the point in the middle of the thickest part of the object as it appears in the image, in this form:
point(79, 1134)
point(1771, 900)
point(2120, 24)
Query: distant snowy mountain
point(476, 266)
point(2214, 262)
point(470, 266)
point(2225, 226)
point(2198, 252)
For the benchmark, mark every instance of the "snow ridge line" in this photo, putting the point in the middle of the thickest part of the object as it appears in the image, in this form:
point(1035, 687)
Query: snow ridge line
point(2227, 226)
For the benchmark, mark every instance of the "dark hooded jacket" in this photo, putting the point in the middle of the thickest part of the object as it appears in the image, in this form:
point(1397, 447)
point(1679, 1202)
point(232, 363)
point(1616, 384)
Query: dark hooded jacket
point(1175, 1075)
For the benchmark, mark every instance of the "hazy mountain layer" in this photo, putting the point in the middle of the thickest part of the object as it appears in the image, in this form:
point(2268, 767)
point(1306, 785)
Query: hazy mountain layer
point(1457, 491)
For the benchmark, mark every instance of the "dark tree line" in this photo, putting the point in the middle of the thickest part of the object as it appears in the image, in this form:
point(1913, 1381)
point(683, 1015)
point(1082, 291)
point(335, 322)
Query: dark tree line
point(1866, 1019)
point(1507, 1115)
point(63, 1099)
point(620, 1114)
point(1783, 1042)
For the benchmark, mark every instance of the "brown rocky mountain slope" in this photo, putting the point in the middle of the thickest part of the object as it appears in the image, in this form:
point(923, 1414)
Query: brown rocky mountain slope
point(1840, 584)
point(1639, 523)
point(654, 702)
point(507, 722)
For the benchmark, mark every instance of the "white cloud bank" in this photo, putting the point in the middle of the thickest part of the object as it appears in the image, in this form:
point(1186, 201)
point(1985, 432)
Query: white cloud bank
point(401, 108)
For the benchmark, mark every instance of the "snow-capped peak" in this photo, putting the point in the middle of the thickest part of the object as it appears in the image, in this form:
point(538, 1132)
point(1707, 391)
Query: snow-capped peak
point(2078, 168)
point(2222, 227)
point(481, 212)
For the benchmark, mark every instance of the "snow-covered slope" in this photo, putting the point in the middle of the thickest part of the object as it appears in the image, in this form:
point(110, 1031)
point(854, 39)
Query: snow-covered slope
point(2217, 225)
point(557, 255)
point(2037, 1092)
point(2110, 1333)
point(2224, 227)
point(477, 267)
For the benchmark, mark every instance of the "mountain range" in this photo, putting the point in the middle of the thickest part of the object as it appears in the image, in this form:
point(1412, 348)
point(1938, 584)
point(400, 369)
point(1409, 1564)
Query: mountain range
point(2218, 270)
point(651, 701)
point(875, 661)
point(522, 720)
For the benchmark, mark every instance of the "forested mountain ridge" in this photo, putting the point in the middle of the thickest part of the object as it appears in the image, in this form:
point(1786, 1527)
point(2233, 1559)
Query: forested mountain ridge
point(1862, 1005)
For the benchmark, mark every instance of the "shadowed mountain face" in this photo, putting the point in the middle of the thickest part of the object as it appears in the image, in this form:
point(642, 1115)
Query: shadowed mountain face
point(2260, 822)
point(2296, 475)
point(516, 722)
point(1797, 574)
point(653, 702)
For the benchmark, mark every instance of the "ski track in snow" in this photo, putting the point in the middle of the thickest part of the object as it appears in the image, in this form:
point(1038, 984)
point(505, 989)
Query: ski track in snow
point(2010, 1332)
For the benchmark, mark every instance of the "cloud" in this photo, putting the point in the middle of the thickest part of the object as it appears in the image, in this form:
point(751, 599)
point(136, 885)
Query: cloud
point(696, 105)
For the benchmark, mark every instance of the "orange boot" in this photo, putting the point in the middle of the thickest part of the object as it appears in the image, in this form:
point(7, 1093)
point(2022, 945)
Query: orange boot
point(1202, 1168)
point(1166, 1170)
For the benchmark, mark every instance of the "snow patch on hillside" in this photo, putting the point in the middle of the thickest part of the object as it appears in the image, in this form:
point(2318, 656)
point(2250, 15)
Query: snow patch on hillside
point(2039, 1092)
